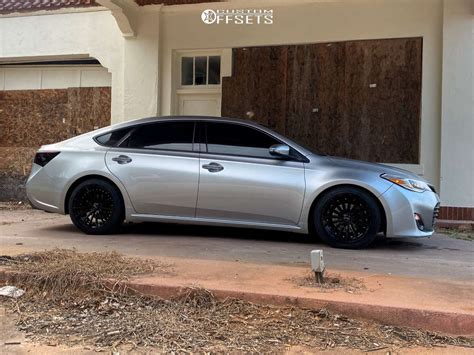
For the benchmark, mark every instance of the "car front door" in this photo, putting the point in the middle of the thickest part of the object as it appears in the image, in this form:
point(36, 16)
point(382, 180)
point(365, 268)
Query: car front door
point(159, 168)
point(241, 181)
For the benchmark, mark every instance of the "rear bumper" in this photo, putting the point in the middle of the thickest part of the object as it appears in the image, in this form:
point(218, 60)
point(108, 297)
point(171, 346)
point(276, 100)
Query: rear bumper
point(41, 193)
point(401, 206)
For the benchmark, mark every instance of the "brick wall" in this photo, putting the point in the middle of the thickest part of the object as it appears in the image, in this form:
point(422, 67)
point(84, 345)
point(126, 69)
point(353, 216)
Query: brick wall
point(456, 213)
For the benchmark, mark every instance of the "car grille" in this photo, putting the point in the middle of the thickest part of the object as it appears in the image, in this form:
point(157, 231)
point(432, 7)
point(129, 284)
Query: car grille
point(435, 214)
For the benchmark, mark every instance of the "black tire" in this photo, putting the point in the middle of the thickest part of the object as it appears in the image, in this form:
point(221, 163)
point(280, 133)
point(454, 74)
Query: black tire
point(347, 217)
point(96, 207)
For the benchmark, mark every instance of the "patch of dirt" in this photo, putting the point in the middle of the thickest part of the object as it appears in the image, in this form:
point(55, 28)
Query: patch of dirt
point(331, 282)
point(67, 307)
point(14, 205)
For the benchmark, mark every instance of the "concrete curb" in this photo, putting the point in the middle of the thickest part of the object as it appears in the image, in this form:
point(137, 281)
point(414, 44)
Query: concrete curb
point(438, 321)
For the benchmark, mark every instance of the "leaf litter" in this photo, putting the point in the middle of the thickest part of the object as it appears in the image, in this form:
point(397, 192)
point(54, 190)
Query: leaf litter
point(80, 299)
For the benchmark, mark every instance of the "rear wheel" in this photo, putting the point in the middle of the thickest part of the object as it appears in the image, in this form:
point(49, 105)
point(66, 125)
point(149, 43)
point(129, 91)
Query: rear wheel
point(347, 217)
point(96, 207)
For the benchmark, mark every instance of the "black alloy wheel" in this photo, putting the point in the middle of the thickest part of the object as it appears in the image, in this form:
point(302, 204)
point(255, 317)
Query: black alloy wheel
point(96, 207)
point(347, 217)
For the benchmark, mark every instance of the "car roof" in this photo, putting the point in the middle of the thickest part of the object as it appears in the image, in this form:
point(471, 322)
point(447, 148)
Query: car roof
point(187, 118)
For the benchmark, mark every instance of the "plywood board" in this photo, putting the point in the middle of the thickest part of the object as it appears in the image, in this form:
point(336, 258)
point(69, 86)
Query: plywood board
point(356, 99)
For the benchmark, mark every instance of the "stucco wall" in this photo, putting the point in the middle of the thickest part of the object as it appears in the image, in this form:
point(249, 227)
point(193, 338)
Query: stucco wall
point(322, 21)
point(457, 125)
point(141, 68)
point(68, 35)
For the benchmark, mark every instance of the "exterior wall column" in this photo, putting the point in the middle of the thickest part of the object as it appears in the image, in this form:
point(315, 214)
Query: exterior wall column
point(141, 69)
point(457, 120)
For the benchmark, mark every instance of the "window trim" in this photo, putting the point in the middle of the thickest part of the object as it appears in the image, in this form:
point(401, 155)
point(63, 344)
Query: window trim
point(96, 138)
point(299, 158)
point(194, 56)
point(200, 127)
point(134, 128)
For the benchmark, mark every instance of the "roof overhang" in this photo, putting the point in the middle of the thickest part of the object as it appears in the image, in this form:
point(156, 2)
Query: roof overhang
point(27, 6)
point(124, 12)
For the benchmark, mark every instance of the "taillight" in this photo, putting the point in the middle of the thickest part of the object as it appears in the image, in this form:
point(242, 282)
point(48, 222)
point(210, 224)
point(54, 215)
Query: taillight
point(43, 158)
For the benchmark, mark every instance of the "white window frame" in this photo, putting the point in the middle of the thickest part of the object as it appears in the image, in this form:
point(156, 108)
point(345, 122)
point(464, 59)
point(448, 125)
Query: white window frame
point(195, 54)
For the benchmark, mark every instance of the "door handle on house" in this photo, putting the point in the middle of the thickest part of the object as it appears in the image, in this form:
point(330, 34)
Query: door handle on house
point(122, 159)
point(213, 167)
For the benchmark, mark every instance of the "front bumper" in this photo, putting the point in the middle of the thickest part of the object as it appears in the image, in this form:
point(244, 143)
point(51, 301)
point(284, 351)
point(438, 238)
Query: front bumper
point(401, 205)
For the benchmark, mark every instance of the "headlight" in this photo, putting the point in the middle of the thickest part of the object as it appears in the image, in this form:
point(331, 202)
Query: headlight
point(409, 184)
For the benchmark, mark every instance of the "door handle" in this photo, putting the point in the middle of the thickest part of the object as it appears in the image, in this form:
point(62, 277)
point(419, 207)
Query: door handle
point(213, 167)
point(122, 159)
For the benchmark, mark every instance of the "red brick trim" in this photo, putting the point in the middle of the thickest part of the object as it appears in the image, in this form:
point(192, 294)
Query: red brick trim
point(11, 6)
point(172, 2)
point(456, 213)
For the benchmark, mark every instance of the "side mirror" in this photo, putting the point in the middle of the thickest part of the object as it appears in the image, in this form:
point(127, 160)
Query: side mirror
point(281, 150)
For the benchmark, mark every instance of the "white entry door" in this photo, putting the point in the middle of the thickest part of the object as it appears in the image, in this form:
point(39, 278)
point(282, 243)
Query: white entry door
point(198, 82)
point(197, 104)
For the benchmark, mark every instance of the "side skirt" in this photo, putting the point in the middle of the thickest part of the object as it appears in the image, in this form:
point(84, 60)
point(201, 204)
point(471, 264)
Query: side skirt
point(214, 222)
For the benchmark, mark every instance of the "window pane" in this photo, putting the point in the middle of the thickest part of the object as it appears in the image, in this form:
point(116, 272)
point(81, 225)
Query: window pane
point(187, 71)
point(234, 139)
point(201, 70)
point(214, 70)
point(164, 135)
point(112, 138)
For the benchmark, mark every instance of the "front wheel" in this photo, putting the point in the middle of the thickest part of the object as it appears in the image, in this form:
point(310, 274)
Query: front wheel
point(347, 217)
point(96, 207)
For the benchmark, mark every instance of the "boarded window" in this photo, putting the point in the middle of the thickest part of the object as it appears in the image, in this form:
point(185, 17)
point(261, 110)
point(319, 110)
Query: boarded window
point(356, 99)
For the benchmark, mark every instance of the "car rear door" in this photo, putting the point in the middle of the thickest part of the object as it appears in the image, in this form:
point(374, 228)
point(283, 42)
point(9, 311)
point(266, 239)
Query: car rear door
point(240, 181)
point(159, 168)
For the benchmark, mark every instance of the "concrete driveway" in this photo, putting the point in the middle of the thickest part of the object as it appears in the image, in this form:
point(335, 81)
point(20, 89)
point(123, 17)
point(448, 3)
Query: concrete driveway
point(439, 257)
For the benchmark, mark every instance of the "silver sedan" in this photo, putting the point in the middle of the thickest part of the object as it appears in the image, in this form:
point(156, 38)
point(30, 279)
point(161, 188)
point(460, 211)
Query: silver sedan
point(227, 172)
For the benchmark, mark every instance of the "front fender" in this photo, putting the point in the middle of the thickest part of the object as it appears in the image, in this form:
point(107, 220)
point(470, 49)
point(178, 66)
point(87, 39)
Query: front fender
point(317, 182)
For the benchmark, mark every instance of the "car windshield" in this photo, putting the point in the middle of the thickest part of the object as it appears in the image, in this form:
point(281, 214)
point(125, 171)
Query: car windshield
point(312, 150)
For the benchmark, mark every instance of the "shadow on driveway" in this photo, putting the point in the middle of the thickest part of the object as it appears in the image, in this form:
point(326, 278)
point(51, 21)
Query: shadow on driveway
point(156, 229)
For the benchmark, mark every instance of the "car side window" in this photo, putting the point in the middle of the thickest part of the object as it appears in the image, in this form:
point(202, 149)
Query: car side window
point(111, 139)
point(235, 139)
point(163, 136)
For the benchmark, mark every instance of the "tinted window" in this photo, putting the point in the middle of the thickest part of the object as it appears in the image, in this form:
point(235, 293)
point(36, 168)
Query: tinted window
point(112, 138)
point(234, 139)
point(163, 135)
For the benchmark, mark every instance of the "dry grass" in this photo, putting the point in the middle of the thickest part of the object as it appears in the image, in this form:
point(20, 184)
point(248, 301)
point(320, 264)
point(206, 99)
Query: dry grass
point(89, 313)
point(463, 233)
point(61, 273)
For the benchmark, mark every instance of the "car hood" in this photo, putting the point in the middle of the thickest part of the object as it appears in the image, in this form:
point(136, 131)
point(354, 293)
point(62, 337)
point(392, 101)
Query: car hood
point(373, 167)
